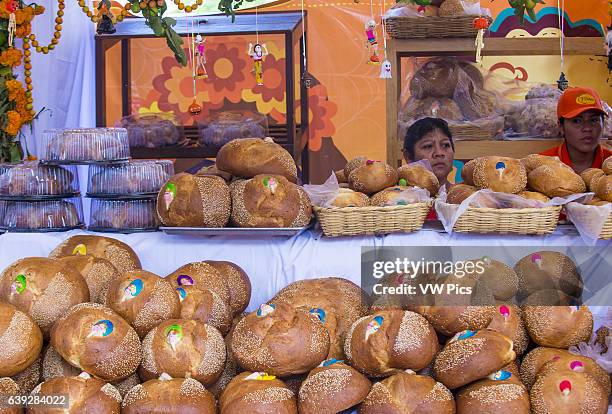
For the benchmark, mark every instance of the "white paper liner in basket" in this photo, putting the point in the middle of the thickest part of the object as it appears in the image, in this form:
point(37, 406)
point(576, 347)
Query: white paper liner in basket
point(588, 220)
point(448, 214)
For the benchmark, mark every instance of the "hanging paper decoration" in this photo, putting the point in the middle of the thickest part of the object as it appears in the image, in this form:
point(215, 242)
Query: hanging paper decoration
point(200, 57)
point(257, 53)
point(370, 29)
point(482, 24)
point(385, 69)
point(194, 109)
point(11, 7)
point(562, 83)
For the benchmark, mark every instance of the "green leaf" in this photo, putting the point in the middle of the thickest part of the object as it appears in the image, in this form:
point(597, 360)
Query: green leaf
point(15, 152)
point(155, 23)
point(175, 43)
point(169, 21)
point(532, 14)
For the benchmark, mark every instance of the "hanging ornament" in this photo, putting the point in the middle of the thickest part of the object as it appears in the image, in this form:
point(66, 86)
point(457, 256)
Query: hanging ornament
point(370, 30)
point(481, 24)
point(307, 78)
point(11, 7)
point(257, 52)
point(105, 24)
point(200, 57)
point(385, 69)
point(195, 109)
point(562, 83)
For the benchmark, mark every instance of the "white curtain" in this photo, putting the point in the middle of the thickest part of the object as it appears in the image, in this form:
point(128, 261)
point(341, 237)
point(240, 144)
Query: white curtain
point(64, 79)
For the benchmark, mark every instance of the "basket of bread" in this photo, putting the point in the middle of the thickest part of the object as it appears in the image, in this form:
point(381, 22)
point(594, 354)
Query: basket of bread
point(438, 19)
point(379, 199)
point(593, 218)
point(506, 195)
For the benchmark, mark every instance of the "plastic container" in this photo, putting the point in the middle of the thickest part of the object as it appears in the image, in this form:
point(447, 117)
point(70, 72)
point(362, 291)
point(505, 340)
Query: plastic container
point(223, 127)
point(152, 130)
point(42, 216)
point(131, 180)
point(85, 146)
point(34, 181)
point(123, 216)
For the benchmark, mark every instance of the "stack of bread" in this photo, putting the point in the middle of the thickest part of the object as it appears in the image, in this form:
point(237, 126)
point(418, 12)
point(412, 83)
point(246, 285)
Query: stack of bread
point(38, 197)
point(90, 324)
point(252, 185)
point(453, 90)
point(123, 195)
point(599, 181)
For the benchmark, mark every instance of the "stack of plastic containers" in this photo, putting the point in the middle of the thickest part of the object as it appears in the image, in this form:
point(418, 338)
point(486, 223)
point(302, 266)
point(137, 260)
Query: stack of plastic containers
point(124, 196)
point(39, 198)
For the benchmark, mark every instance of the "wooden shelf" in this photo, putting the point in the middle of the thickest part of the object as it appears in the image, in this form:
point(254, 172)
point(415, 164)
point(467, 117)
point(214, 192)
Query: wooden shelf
point(402, 48)
point(466, 150)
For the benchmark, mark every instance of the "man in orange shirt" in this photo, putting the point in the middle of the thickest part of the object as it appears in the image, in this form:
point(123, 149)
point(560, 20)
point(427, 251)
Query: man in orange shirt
point(581, 116)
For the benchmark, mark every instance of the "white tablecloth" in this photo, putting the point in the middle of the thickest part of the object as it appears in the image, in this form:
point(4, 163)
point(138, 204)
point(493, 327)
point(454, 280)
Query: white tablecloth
point(274, 262)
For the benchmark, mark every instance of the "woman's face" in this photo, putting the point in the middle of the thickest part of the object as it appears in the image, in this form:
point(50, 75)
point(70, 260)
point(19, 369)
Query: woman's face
point(584, 131)
point(437, 148)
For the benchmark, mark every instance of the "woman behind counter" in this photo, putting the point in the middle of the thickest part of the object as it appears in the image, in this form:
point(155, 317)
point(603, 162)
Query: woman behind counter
point(581, 117)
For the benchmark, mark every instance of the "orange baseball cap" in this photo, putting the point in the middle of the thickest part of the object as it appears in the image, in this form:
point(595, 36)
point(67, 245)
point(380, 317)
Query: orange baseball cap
point(575, 101)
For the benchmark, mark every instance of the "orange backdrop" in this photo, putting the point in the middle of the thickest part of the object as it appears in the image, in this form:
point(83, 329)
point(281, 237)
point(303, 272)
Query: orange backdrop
point(347, 105)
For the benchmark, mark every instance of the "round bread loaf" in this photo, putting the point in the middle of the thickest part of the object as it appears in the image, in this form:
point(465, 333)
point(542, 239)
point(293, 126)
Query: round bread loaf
point(169, 395)
point(43, 288)
point(501, 174)
point(418, 176)
point(500, 278)
point(331, 388)
point(230, 370)
point(238, 283)
point(604, 188)
point(337, 302)
point(533, 195)
point(536, 359)
point(83, 394)
point(54, 366)
point(143, 299)
point(118, 253)
point(589, 174)
point(379, 345)
point(353, 164)
point(448, 320)
point(556, 180)
point(606, 166)
point(467, 172)
point(372, 176)
point(20, 340)
point(8, 387)
point(257, 393)
point(183, 348)
point(249, 157)
point(459, 192)
point(202, 275)
point(98, 273)
point(508, 321)
point(406, 392)
point(280, 340)
point(533, 161)
point(30, 377)
point(269, 201)
point(568, 392)
point(548, 270)
point(98, 341)
point(558, 326)
point(204, 306)
point(395, 196)
point(567, 362)
point(349, 198)
point(501, 392)
point(187, 200)
point(548, 297)
point(472, 355)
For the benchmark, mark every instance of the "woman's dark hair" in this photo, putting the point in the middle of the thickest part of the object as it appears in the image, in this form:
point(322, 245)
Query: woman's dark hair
point(422, 127)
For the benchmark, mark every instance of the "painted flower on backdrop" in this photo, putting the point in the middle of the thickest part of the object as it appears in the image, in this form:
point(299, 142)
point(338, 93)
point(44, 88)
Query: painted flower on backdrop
point(270, 95)
point(229, 72)
point(175, 85)
point(321, 111)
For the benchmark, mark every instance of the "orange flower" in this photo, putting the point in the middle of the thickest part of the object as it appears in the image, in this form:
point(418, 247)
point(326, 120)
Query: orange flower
point(11, 57)
point(23, 30)
point(13, 123)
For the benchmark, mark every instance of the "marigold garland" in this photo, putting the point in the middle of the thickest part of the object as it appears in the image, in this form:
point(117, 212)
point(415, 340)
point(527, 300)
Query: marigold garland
point(11, 57)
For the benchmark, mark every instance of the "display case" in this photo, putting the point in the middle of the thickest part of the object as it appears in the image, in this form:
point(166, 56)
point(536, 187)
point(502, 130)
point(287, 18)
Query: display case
point(288, 25)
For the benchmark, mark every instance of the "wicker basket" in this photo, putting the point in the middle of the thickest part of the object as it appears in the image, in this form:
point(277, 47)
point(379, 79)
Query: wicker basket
point(508, 220)
point(350, 221)
point(606, 232)
point(484, 130)
point(428, 27)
